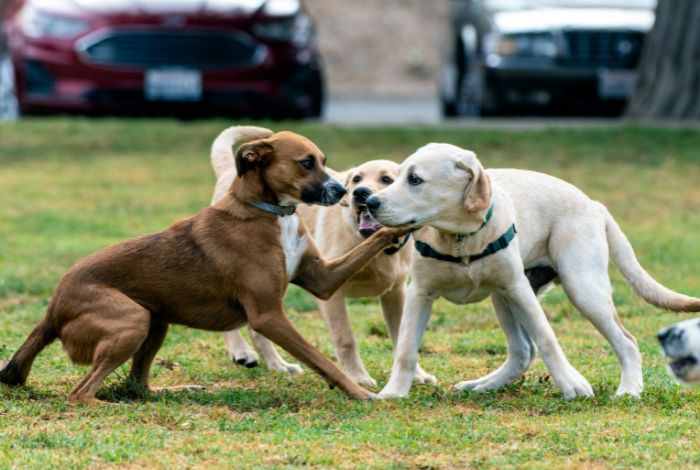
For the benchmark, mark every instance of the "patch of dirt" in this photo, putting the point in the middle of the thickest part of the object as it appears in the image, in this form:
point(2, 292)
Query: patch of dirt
point(380, 47)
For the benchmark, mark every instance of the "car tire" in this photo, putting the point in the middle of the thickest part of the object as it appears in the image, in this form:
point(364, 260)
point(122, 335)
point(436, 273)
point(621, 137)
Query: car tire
point(305, 96)
point(9, 107)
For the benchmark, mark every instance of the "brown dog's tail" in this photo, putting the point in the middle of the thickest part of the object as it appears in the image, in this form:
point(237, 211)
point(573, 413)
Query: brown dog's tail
point(222, 148)
point(623, 257)
point(15, 372)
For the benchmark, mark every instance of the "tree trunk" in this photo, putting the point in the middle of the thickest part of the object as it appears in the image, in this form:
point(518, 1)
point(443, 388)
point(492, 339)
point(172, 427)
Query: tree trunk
point(668, 85)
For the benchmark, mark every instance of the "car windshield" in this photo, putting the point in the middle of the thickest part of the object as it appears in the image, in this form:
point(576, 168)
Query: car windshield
point(524, 4)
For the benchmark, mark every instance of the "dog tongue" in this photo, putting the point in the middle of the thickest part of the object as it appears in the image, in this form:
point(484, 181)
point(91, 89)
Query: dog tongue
point(367, 222)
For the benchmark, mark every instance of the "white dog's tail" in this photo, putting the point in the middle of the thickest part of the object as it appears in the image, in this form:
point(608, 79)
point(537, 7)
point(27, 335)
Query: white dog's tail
point(222, 148)
point(623, 257)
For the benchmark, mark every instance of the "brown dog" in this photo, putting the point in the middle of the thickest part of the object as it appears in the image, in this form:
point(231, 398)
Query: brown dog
point(227, 265)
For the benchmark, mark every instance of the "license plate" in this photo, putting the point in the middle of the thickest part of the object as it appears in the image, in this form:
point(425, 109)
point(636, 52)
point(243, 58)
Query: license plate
point(616, 84)
point(173, 85)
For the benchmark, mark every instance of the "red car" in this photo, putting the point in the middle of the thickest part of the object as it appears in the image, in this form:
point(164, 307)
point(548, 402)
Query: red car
point(254, 58)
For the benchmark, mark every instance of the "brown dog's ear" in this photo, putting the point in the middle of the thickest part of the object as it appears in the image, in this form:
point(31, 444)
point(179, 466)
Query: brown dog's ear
point(478, 195)
point(252, 154)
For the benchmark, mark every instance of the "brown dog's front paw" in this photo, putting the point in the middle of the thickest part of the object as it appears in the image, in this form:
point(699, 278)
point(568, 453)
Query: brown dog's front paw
point(358, 393)
point(392, 236)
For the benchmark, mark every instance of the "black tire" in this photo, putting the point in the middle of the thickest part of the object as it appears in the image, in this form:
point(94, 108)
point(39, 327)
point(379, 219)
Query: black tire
point(307, 83)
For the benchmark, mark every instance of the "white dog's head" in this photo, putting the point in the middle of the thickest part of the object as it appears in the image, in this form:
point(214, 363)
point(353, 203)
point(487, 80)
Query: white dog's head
point(681, 343)
point(361, 183)
point(437, 186)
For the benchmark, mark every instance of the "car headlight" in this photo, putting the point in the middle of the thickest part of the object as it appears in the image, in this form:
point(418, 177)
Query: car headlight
point(39, 24)
point(525, 45)
point(297, 29)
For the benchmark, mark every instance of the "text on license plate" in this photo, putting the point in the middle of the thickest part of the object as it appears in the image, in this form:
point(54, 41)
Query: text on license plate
point(173, 85)
point(616, 84)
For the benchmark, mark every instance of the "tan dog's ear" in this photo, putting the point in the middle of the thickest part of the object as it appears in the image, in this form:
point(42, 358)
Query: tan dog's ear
point(252, 154)
point(478, 195)
point(345, 201)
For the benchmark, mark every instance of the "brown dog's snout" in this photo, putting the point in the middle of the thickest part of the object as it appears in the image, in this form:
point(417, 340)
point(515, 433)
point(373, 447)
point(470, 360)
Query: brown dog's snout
point(326, 193)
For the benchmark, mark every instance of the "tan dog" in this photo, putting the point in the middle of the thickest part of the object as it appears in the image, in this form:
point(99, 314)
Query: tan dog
point(227, 265)
point(336, 230)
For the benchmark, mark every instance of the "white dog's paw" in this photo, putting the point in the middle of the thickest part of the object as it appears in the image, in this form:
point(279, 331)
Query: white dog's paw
point(573, 385)
point(493, 381)
point(630, 390)
point(247, 358)
point(421, 377)
point(285, 367)
point(388, 394)
point(479, 385)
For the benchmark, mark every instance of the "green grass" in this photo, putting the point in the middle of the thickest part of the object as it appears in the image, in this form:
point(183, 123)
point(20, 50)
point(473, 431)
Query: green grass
point(70, 187)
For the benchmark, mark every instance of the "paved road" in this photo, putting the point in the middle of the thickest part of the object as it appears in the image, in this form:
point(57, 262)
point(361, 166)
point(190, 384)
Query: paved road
point(382, 111)
point(426, 111)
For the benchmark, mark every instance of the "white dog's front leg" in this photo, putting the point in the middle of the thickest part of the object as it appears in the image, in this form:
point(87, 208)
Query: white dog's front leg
point(528, 311)
point(416, 313)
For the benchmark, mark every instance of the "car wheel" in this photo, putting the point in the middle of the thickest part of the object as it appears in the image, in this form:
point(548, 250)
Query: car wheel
point(304, 95)
point(9, 108)
point(470, 93)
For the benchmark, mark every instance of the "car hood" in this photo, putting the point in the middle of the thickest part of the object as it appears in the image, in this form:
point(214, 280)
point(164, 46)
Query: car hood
point(554, 19)
point(150, 7)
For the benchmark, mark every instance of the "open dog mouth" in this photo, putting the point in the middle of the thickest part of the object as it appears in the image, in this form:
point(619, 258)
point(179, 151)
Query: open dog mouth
point(366, 223)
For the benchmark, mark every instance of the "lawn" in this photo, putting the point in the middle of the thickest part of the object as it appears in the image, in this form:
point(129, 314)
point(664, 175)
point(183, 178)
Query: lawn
point(72, 186)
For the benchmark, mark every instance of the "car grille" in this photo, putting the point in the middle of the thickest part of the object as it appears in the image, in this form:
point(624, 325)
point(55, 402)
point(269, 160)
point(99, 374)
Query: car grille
point(148, 49)
point(618, 49)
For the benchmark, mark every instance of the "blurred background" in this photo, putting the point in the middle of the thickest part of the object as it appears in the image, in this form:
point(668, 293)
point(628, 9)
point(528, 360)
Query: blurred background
point(351, 61)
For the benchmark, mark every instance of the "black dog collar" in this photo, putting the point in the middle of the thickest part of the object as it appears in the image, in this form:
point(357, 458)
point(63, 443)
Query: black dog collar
point(273, 208)
point(395, 249)
point(495, 246)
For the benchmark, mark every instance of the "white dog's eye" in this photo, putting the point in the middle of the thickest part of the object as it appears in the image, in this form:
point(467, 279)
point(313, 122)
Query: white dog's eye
point(414, 180)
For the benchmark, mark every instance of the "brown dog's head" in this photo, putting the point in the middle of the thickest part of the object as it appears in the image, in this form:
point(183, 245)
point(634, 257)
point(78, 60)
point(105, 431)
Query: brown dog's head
point(290, 166)
point(362, 182)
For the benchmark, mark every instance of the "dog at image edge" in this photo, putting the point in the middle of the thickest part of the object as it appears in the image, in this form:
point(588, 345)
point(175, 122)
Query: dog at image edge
point(335, 229)
point(227, 265)
point(681, 344)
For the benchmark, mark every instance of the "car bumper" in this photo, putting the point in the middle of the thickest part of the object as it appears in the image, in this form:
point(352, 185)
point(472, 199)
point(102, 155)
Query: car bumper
point(567, 89)
point(56, 79)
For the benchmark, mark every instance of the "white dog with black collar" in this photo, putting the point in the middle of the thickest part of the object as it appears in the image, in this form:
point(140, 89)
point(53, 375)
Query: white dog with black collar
point(562, 236)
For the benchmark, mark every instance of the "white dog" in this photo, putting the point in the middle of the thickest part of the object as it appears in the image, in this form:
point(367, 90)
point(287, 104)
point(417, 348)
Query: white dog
point(681, 343)
point(468, 250)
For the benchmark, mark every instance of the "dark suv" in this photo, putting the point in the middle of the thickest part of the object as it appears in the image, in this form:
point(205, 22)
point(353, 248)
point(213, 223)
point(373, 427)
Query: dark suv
point(534, 56)
point(226, 57)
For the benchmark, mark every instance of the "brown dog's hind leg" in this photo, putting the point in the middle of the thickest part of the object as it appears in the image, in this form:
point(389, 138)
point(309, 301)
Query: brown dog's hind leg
point(117, 342)
point(143, 359)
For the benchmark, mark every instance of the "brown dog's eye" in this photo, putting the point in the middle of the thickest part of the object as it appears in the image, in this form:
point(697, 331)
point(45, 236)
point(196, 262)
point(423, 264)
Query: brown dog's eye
point(357, 179)
point(308, 164)
point(386, 180)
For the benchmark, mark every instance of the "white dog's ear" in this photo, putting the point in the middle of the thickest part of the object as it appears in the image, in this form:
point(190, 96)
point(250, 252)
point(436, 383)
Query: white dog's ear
point(478, 195)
